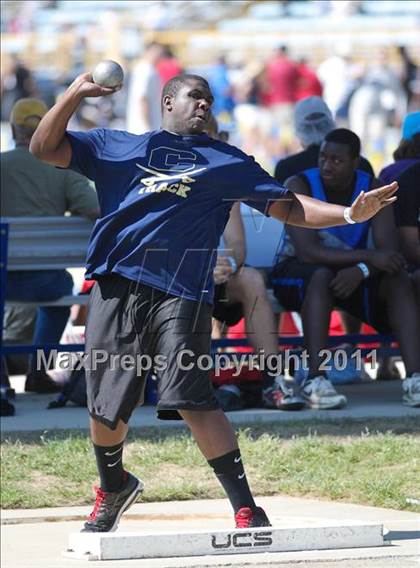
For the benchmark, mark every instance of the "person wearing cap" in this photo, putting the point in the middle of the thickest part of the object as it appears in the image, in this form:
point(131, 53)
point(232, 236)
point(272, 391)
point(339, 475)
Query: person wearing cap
point(408, 152)
point(325, 269)
point(313, 120)
point(31, 188)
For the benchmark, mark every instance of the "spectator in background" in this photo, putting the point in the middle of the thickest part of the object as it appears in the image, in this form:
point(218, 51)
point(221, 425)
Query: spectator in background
point(407, 210)
point(408, 152)
point(17, 82)
point(246, 83)
point(143, 104)
point(255, 131)
point(308, 83)
point(313, 120)
point(330, 268)
point(31, 188)
point(407, 216)
point(221, 88)
point(408, 75)
point(336, 76)
point(168, 65)
point(406, 169)
point(280, 88)
point(378, 103)
point(281, 77)
point(240, 292)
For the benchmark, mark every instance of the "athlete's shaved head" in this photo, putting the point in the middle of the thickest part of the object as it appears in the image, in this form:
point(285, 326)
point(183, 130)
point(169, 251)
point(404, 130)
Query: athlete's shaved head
point(172, 87)
point(186, 104)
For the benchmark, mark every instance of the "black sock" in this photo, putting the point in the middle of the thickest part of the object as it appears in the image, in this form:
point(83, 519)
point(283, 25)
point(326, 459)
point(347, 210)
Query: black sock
point(230, 472)
point(110, 467)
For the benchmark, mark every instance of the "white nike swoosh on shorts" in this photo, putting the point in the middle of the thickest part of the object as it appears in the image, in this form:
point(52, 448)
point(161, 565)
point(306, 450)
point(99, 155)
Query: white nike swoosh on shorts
point(241, 476)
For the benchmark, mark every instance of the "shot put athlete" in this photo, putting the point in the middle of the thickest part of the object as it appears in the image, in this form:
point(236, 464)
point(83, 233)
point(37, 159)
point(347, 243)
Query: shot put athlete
point(165, 198)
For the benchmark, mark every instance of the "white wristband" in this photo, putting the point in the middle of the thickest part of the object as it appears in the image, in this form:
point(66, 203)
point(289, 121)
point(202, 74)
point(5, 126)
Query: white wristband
point(233, 263)
point(347, 218)
point(364, 268)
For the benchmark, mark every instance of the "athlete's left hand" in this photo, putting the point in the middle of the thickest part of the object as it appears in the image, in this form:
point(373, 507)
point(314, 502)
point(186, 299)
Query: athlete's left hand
point(366, 205)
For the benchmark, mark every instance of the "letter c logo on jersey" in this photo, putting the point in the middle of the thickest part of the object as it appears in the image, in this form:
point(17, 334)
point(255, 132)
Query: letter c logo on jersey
point(179, 167)
point(164, 159)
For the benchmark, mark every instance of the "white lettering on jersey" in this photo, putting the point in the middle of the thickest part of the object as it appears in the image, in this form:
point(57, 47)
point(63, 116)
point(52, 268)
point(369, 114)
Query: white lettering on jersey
point(158, 182)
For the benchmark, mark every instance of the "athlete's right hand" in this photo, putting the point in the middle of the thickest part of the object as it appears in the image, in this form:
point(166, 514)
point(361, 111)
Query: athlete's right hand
point(87, 88)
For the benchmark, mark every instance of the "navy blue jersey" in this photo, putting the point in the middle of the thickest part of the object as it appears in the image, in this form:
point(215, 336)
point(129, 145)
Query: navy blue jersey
point(165, 200)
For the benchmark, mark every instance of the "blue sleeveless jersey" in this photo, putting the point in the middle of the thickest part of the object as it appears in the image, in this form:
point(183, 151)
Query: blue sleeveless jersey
point(355, 236)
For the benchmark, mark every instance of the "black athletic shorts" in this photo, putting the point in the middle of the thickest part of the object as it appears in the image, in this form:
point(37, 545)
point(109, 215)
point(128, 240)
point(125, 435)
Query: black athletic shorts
point(133, 329)
point(291, 278)
point(223, 310)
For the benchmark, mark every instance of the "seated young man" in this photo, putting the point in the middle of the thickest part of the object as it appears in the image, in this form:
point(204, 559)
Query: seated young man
point(332, 268)
point(240, 292)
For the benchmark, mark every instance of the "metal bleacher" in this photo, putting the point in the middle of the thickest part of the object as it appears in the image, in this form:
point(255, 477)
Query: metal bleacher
point(42, 243)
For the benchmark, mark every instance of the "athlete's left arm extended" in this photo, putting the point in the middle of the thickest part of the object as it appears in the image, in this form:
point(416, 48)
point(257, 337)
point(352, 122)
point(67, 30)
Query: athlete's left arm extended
point(304, 211)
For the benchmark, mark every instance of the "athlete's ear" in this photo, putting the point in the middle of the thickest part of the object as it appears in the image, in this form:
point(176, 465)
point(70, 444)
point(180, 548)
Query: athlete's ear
point(167, 102)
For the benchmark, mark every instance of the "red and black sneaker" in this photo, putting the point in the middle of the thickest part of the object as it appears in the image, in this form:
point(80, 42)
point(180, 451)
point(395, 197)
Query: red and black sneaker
point(246, 518)
point(109, 507)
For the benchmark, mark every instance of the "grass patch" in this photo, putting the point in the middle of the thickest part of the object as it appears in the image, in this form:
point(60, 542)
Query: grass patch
point(374, 462)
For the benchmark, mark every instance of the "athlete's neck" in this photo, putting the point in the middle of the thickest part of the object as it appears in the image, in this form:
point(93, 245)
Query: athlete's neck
point(178, 129)
point(181, 133)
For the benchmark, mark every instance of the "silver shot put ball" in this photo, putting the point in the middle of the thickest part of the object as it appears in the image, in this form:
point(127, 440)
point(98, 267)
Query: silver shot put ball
point(108, 74)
